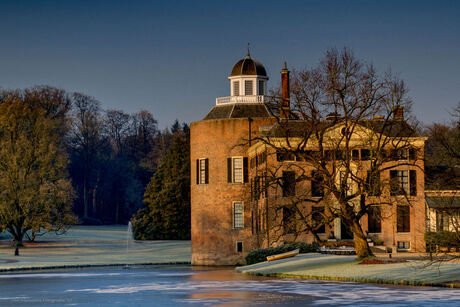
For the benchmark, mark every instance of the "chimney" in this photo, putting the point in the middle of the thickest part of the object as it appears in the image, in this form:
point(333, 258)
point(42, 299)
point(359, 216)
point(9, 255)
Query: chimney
point(398, 112)
point(285, 93)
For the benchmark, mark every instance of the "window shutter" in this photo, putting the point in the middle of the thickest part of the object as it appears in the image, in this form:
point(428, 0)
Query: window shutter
point(248, 88)
point(206, 171)
point(197, 171)
point(229, 170)
point(413, 182)
point(245, 169)
point(236, 88)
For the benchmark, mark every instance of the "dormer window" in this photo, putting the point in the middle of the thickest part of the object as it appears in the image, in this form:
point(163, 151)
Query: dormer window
point(248, 87)
point(261, 89)
point(236, 88)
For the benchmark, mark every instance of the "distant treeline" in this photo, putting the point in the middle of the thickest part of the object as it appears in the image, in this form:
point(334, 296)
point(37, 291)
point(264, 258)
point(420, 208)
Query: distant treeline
point(112, 155)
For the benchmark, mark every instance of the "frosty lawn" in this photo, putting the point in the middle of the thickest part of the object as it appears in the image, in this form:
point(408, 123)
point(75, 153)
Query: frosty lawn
point(346, 268)
point(91, 245)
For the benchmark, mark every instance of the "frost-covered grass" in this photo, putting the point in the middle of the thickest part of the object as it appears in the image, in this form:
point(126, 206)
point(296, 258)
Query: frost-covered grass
point(91, 245)
point(346, 268)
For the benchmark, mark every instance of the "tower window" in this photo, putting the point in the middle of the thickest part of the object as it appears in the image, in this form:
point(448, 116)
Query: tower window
point(374, 219)
point(238, 209)
point(399, 182)
point(403, 218)
point(237, 170)
point(239, 247)
point(317, 216)
point(317, 184)
point(236, 88)
point(248, 87)
point(202, 171)
point(261, 87)
point(288, 183)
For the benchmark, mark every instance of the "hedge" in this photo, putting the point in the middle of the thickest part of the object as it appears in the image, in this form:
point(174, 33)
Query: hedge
point(261, 254)
point(441, 239)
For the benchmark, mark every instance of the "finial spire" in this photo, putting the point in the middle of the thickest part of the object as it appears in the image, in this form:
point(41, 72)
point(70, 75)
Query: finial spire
point(285, 66)
point(248, 54)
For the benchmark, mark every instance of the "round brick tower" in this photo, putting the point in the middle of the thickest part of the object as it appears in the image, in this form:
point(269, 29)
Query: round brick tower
point(221, 216)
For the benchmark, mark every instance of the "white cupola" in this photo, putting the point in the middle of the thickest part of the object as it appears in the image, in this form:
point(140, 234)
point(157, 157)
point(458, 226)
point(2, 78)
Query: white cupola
point(248, 78)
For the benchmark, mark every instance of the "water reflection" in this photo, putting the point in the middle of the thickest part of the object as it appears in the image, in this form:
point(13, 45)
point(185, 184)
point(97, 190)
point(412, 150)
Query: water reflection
point(201, 286)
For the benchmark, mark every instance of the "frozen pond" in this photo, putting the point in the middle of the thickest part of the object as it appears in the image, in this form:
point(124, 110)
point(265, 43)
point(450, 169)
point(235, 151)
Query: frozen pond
point(198, 286)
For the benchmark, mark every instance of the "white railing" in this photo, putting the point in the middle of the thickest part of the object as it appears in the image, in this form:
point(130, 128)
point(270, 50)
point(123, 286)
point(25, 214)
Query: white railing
point(240, 99)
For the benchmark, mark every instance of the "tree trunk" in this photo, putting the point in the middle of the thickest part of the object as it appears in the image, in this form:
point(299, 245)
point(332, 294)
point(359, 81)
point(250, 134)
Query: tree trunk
point(18, 235)
point(315, 235)
point(362, 248)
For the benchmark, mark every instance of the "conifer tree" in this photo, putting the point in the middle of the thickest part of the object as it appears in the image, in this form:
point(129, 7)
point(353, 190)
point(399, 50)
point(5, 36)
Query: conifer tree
point(167, 196)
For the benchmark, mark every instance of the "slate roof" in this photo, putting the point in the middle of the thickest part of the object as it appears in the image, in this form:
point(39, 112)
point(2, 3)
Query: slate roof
point(443, 201)
point(238, 110)
point(297, 128)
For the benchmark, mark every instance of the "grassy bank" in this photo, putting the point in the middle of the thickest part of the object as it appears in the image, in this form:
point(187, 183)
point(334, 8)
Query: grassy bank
point(91, 246)
point(347, 268)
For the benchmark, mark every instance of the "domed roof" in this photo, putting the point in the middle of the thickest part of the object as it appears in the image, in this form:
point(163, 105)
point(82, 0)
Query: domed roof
point(248, 66)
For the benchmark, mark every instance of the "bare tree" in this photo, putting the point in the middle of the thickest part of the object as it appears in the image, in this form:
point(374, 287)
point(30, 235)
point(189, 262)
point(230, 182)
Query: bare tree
point(117, 124)
point(443, 189)
point(330, 146)
point(85, 141)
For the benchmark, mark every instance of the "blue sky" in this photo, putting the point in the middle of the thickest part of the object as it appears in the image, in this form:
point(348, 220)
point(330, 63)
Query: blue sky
point(173, 57)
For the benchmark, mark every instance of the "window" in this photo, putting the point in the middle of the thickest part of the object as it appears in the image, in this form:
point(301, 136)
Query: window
point(284, 156)
point(289, 220)
point(373, 183)
point(256, 187)
point(412, 154)
point(365, 154)
point(261, 87)
point(248, 87)
point(413, 182)
point(355, 154)
point(317, 217)
point(202, 171)
point(239, 247)
point(236, 88)
point(238, 209)
point(442, 220)
point(403, 245)
point(317, 187)
point(400, 154)
point(374, 220)
point(237, 170)
point(403, 218)
point(399, 182)
point(288, 183)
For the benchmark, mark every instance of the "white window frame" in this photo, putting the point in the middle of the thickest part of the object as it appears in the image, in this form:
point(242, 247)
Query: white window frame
point(234, 177)
point(202, 171)
point(240, 222)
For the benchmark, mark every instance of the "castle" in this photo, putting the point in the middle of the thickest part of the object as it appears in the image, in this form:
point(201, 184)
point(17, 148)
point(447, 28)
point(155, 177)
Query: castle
point(234, 211)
